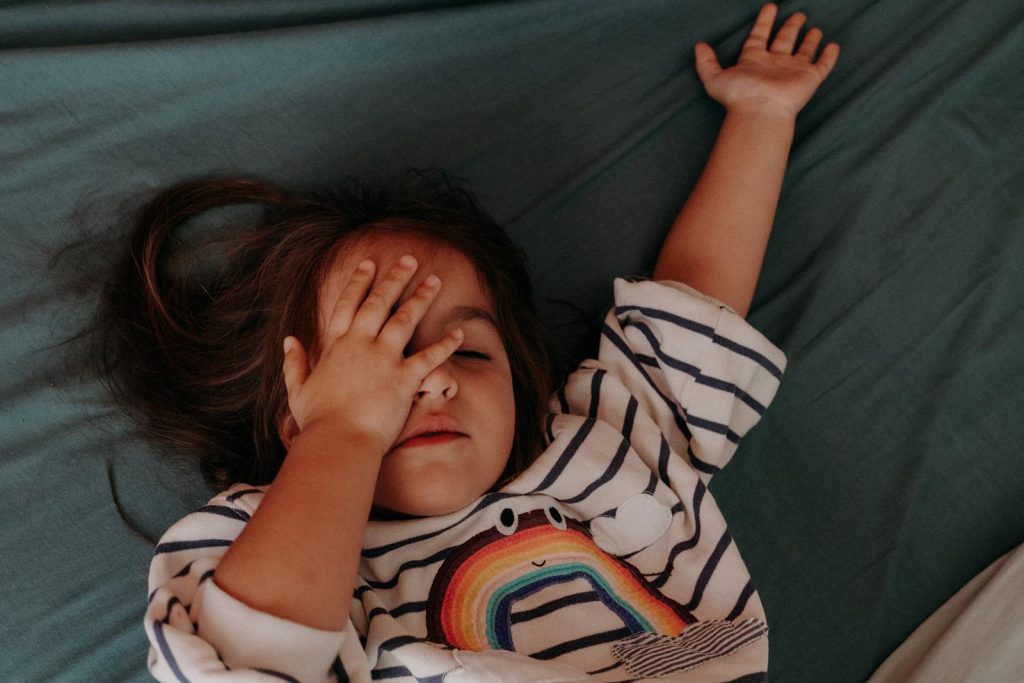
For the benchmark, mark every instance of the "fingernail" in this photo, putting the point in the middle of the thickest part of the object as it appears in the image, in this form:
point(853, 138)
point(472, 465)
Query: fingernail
point(365, 265)
point(288, 344)
point(432, 280)
point(407, 261)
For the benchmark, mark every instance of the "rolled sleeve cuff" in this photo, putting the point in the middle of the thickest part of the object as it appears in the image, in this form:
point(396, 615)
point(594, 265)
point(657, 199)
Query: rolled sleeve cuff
point(248, 638)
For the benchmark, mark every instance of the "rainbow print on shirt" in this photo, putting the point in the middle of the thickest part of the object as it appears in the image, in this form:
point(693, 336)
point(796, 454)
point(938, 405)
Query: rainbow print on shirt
point(472, 598)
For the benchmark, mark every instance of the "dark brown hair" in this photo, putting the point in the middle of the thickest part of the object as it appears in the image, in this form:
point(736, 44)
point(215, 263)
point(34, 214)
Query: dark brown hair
point(198, 359)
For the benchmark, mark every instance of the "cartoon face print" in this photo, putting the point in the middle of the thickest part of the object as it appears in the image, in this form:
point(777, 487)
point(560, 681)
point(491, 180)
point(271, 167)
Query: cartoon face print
point(541, 564)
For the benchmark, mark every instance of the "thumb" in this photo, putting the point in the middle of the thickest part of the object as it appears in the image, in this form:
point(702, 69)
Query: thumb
point(706, 62)
point(296, 369)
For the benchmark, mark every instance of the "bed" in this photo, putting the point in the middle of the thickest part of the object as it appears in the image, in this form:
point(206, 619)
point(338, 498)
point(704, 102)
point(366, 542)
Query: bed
point(886, 474)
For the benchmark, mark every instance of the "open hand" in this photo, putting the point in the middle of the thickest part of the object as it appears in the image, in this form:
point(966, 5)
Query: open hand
point(363, 379)
point(769, 78)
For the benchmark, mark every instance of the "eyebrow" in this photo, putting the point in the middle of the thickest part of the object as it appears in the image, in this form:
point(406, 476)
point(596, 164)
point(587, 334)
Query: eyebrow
point(459, 314)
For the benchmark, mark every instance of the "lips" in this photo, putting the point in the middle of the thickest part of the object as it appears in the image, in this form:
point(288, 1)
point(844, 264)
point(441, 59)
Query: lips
point(437, 424)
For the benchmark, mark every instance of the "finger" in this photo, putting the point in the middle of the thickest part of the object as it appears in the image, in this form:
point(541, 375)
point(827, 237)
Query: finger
point(786, 37)
point(376, 309)
point(400, 327)
point(809, 47)
point(296, 367)
point(348, 301)
point(706, 62)
point(827, 61)
point(424, 362)
point(758, 38)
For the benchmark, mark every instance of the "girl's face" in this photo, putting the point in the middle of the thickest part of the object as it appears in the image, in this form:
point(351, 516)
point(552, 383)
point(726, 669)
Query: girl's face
point(476, 392)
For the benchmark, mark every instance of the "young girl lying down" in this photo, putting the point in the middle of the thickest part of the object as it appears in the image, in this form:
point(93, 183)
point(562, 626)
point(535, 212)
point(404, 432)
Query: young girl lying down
point(404, 498)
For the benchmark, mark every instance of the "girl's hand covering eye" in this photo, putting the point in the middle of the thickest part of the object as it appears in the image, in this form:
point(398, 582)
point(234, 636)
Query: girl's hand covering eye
point(362, 378)
point(769, 78)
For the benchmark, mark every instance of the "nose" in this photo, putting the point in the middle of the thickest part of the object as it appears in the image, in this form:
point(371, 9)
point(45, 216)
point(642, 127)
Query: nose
point(440, 382)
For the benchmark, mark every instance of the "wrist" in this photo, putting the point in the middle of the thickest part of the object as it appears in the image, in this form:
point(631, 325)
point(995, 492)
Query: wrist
point(334, 437)
point(764, 111)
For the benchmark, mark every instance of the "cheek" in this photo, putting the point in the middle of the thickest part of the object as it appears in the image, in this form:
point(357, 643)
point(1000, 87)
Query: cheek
point(494, 396)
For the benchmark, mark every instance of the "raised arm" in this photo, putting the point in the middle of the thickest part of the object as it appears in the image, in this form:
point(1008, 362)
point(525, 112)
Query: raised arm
point(717, 242)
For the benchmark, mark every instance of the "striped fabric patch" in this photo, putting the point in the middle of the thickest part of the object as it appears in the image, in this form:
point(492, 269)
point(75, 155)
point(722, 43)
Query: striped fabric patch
point(651, 654)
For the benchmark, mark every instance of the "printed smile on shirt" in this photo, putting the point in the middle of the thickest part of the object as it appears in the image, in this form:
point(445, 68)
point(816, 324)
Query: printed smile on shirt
point(459, 433)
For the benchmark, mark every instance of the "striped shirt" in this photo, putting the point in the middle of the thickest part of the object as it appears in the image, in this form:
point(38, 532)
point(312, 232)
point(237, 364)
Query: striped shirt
point(606, 560)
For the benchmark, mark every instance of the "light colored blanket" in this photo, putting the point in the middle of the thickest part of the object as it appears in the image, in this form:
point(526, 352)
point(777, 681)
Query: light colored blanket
point(977, 635)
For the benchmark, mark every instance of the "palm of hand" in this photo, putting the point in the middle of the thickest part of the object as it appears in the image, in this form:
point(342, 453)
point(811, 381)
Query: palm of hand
point(775, 78)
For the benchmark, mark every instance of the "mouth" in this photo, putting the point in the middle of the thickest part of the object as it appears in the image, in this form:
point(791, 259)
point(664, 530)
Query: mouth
point(430, 439)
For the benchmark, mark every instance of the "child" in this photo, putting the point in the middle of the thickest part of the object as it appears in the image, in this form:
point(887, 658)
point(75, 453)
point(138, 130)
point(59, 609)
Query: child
point(434, 518)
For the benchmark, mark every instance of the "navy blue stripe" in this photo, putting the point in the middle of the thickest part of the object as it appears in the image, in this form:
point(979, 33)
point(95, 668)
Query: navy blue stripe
point(707, 331)
point(658, 314)
point(664, 358)
point(652, 483)
point(192, 545)
point(702, 466)
point(595, 392)
point(224, 511)
point(563, 400)
point(741, 603)
point(707, 572)
point(554, 605)
point(165, 650)
point(409, 608)
point(731, 388)
point(683, 546)
point(185, 570)
point(749, 353)
point(390, 672)
point(663, 456)
point(709, 425)
point(563, 460)
point(439, 556)
point(339, 670)
point(401, 671)
point(609, 473)
point(396, 642)
point(647, 360)
point(244, 492)
point(170, 606)
point(606, 669)
point(278, 674)
point(627, 422)
point(580, 643)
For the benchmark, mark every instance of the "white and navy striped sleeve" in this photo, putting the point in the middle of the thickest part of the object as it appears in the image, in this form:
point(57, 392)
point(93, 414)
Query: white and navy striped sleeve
point(699, 369)
point(197, 632)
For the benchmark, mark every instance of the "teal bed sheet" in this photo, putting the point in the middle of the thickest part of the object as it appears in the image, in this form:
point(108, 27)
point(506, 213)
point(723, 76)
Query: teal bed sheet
point(885, 475)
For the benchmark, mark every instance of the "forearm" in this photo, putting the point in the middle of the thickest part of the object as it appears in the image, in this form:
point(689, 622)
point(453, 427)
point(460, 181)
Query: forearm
point(717, 242)
point(298, 556)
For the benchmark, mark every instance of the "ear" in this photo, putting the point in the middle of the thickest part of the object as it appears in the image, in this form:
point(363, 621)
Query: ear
point(287, 429)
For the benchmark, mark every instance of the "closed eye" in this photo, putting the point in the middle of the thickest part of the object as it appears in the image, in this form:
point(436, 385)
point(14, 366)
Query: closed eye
point(472, 354)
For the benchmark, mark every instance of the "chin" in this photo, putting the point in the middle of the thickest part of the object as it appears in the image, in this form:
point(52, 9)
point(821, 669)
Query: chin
point(428, 499)
point(430, 506)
